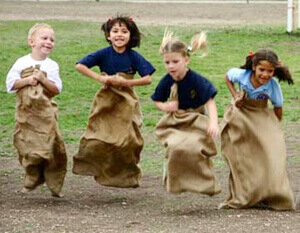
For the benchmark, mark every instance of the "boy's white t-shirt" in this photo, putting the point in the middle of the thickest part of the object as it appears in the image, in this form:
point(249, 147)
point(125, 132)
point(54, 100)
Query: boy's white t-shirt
point(47, 65)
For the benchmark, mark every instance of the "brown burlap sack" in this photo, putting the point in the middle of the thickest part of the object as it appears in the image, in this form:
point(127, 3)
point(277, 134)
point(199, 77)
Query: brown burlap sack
point(298, 202)
point(188, 151)
point(253, 145)
point(40, 146)
point(111, 145)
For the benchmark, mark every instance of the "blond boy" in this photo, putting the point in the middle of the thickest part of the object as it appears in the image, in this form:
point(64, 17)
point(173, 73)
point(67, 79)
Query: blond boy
point(35, 80)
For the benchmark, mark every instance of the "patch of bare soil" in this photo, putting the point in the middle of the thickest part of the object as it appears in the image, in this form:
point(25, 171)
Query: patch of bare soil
point(147, 13)
point(88, 207)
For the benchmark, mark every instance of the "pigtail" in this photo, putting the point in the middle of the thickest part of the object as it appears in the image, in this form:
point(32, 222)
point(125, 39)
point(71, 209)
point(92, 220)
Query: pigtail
point(165, 43)
point(283, 74)
point(248, 63)
point(199, 42)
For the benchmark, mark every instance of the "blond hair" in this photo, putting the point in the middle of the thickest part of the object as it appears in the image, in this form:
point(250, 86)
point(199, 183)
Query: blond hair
point(33, 30)
point(172, 44)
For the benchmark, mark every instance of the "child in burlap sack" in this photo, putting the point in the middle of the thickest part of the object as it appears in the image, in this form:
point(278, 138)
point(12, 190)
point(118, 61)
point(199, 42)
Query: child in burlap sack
point(111, 145)
point(252, 141)
point(185, 130)
point(35, 79)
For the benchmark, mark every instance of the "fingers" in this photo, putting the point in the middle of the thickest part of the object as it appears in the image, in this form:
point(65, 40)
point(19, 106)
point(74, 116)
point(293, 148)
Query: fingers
point(212, 132)
point(117, 80)
point(172, 106)
point(239, 100)
point(27, 72)
point(39, 75)
point(32, 81)
point(239, 103)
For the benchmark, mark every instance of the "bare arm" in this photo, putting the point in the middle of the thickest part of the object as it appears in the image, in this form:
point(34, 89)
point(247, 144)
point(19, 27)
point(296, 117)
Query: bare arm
point(171, 106)
point(91, 74)
point(49, 85)
point(23, 82)
point(278, 112)
point(146, 80)
point(213, 128)
point(231, 88)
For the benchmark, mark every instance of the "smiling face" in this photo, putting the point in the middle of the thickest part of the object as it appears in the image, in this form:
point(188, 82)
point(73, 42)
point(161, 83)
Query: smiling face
point(176, 64)
point(42, 43)
point(119, 37)
point(262, 73)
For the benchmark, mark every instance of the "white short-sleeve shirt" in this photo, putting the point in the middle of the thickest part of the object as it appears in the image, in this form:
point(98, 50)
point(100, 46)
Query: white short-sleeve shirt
point(47, 65)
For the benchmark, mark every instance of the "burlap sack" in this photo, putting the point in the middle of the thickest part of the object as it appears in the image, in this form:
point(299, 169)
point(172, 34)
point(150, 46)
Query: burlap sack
point(253, 145)
point(298, 202)
point(189, 150)
point(111, 145)
point(40, 146)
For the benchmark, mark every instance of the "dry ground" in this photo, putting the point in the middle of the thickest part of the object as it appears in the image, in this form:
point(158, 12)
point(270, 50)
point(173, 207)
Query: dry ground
point(148, 13)
point(88, 207)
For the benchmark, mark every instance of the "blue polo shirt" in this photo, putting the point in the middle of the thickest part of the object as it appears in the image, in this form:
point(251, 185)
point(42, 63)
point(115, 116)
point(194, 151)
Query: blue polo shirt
point(193, 90)
point(270, 90)
point(111, 62)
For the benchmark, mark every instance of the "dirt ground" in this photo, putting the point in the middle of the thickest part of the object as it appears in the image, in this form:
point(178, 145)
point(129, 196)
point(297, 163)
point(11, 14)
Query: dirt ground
point(148, 13)
point(88, 207)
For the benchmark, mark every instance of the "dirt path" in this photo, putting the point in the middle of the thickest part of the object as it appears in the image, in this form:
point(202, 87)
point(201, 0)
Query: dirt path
point(87, 207)
point(148, 13)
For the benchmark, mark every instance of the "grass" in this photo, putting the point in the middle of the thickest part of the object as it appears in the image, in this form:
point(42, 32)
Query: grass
point(228, 48)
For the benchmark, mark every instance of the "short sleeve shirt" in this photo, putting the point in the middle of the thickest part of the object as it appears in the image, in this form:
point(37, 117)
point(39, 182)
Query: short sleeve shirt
point(194, 90)
point(111, 62)
point(47, 65)
point(270, 90)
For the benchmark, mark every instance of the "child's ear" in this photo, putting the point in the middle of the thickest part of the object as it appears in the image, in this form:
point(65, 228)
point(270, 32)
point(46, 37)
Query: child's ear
point(30, 42)
point(187, 59)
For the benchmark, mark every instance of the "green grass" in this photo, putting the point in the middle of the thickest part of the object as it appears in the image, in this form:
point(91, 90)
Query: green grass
point(228, 47)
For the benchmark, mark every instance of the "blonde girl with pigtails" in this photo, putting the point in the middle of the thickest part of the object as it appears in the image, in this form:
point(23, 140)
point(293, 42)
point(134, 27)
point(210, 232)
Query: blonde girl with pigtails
point(186, 130)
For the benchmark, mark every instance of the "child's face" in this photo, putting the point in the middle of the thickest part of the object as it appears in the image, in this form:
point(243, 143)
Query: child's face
point(42, 43)
point(176, 65)
point(263, 72)
point(119, 36)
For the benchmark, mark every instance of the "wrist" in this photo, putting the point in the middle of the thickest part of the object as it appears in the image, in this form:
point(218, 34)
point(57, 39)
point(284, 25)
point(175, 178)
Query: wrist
point(127, 83)
point(27, 81)
point(101, 79)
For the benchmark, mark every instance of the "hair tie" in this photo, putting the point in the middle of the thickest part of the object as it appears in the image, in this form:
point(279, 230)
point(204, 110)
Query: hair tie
point(189, 48)
point(109, 19)
point(251, 54)
point(130, 19)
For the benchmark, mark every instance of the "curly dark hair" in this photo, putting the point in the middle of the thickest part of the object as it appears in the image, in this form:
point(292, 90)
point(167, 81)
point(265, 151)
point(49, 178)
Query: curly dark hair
point(281, 72)
point(135, 35)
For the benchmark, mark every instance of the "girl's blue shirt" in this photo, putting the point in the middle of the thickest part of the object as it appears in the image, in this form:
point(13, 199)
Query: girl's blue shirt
point(111, 62)
point(270, 90)
point(194, 90)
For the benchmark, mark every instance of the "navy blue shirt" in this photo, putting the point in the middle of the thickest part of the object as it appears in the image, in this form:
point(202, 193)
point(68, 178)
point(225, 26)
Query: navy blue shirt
point(193, 90)
point(111, 62)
